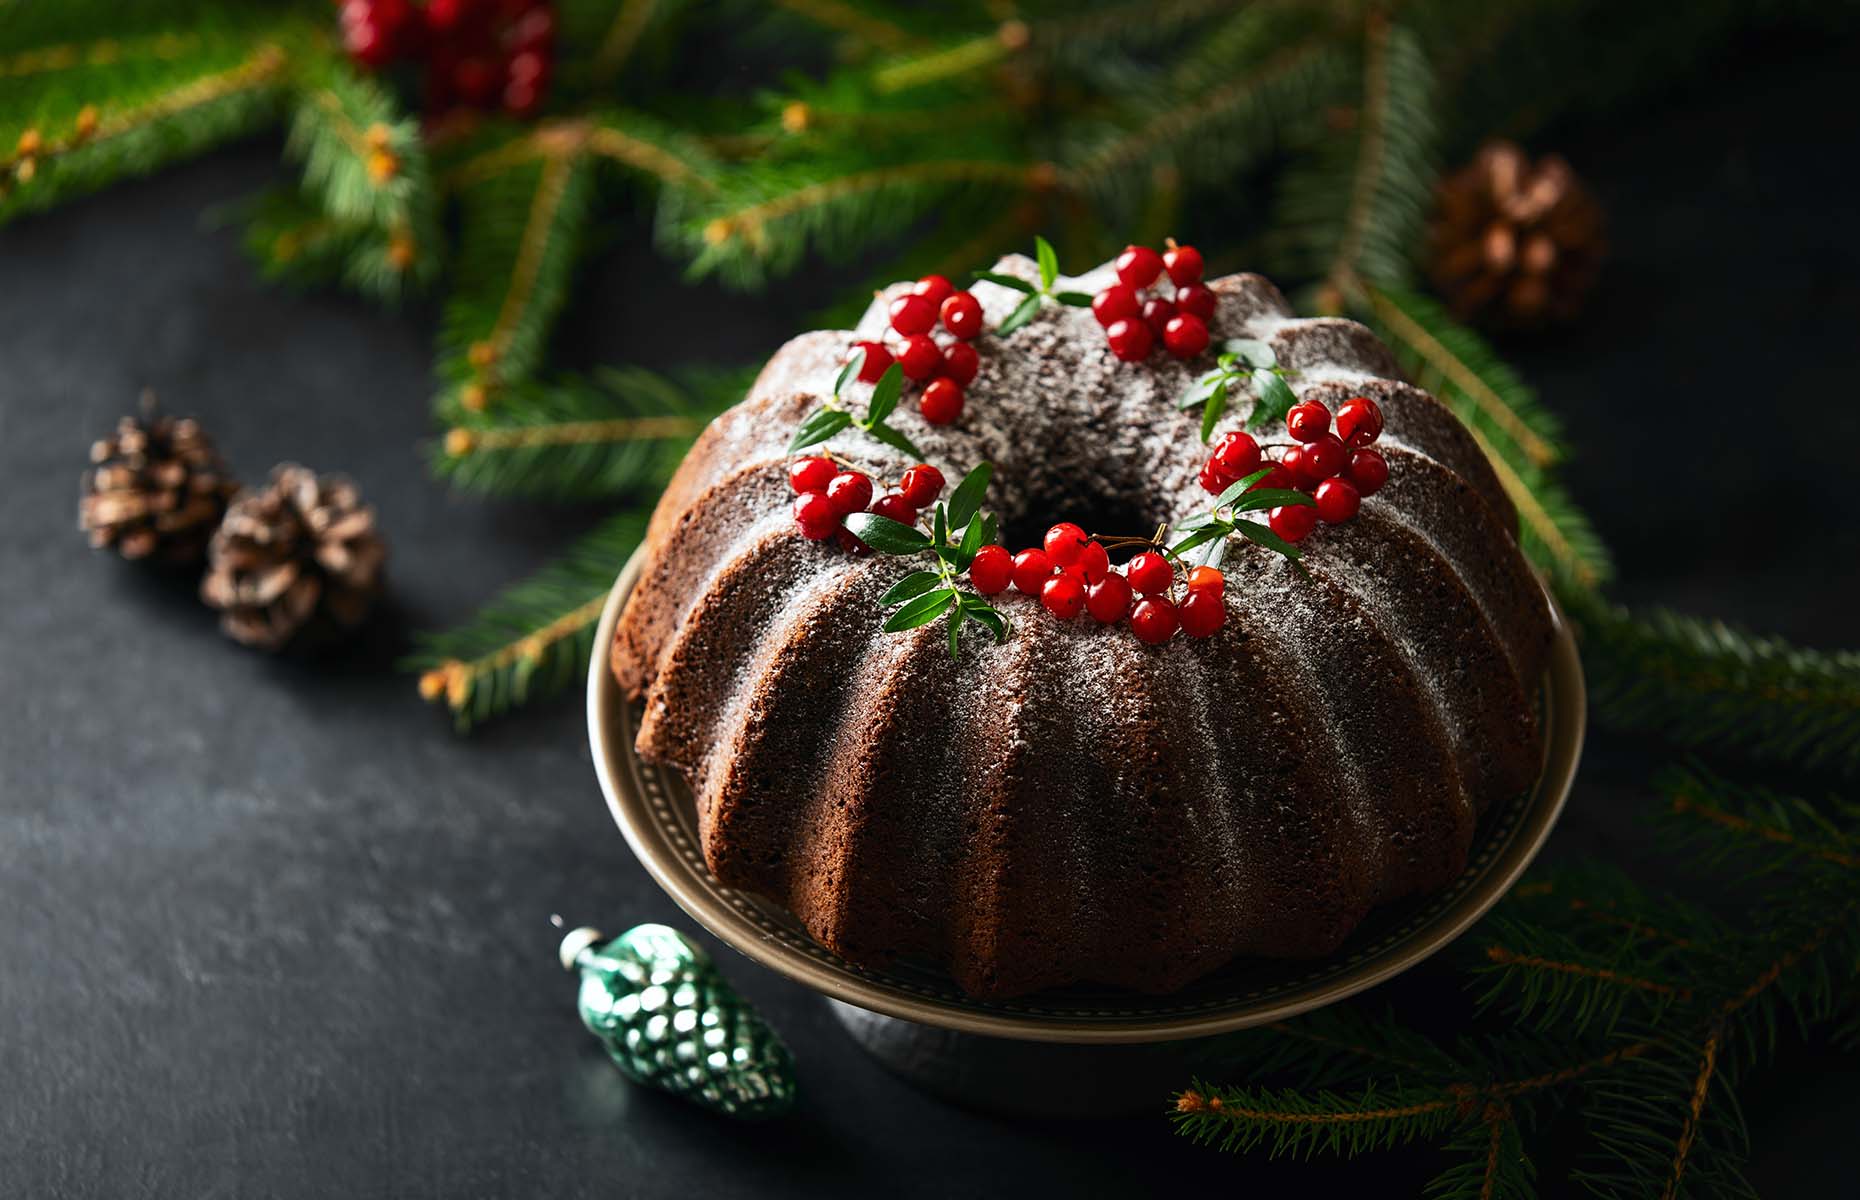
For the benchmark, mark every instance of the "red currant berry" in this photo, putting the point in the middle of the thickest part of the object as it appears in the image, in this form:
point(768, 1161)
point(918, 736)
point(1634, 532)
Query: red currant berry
point(921, 484)
point(850, 492)
point(1092, 565)
point(1239, 453)
point(1065, 543)
point(1359, 421)
point(1325, 457)
point(535, 29)
point(1183, 264)
point(522, 97)
point(877, 361)
point(920, 357)
point(934, 288)
point(816, 516)
point(1138, 266)
point(1130, 340)
point(1277, 477)
point(811, 474)
point(895, 507)
point(1307, 421)
point(1197, 299)
point(960, 363)
point(851, 544)
point(1367, 472)
point(1206, 579)
point(367, 36)
point(1153, 620)
point(941, 402)
point(1031, 571)
point(1185, 336)
point(442, 16)
point(1116, 303)
point(1202, 613)
point(1293, 522)
point(1149, 573)
point(991, 570)
point(1296, 463)
point(913, 314)
point(1157, 314)
point(1337, 500)
point(1108, 599)
point(474, 79)
point(962, 315)
point(1215, 477)
point(1063, 596)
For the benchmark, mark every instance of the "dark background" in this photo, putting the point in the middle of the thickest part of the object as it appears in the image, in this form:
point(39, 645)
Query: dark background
point(269, 928)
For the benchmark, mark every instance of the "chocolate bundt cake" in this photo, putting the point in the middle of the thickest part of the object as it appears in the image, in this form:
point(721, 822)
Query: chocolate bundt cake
point(1071, 805)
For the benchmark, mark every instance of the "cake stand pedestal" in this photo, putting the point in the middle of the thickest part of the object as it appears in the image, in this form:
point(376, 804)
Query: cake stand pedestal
point(1080, 1051)
point(1018, 1078)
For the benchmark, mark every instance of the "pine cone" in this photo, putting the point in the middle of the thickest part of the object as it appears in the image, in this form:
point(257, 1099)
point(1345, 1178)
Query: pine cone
point(1512, 243)
point(300, 556)
point(156, 490)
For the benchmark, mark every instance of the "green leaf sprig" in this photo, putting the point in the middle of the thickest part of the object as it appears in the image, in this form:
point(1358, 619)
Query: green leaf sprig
point(1035, 297)
point(831, 417)
point(1243, 361)
point(958, 530)
point(1206, 534)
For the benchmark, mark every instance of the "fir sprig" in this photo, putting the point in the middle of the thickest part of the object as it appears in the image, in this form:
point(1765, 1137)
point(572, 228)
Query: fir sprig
point(1243, 362)
point(532, 640)
point(1644, 1010)
point(832, 417)
point(1759, 696)
point(1036, 297)
point(958, 530)
point(619, 433)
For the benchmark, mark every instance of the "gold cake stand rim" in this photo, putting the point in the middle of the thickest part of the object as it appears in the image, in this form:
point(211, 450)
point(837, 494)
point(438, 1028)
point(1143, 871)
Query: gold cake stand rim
point(656, 840)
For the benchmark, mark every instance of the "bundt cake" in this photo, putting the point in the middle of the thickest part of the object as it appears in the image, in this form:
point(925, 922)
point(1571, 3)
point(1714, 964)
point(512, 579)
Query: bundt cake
point(1070, 804)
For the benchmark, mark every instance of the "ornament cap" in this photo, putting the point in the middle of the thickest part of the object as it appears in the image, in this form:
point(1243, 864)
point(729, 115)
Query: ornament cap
point(577, 940)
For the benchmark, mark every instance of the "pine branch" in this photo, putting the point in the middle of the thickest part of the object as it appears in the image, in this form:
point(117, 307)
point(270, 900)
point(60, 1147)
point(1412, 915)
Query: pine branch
point(1503, 415)
point(367, 165)
point(521, 229)
point(1649, 1018)
point(874, 24)
point(294, 241)
point(1210, 134)
point(1489, 1161)
point(534, 639)
point(1730, 690)
point(762, 223)
point(1353, 210)
point(111, 138)
point(1284, 1122)
point(622, 433)
point(1563, 982)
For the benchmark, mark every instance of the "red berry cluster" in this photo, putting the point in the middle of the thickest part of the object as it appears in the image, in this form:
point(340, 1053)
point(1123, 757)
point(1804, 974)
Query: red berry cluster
point(1336, 468)
point(478, 53)
point(1135, 321)
point(948, 367)
point(827, 493)
point(1071, 573)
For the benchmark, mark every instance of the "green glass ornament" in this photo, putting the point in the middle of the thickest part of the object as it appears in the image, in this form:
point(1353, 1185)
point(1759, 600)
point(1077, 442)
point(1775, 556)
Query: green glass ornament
point(670, 1021)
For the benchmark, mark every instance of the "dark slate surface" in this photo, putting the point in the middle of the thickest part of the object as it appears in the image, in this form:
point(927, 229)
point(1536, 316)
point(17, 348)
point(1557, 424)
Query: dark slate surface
point(271, 929)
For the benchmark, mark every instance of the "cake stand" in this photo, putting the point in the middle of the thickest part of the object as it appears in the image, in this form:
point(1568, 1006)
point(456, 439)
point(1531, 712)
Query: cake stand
point(1076, 1051)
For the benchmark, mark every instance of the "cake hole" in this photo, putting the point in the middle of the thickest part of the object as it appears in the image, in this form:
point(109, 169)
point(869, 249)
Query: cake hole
point(1100, 516)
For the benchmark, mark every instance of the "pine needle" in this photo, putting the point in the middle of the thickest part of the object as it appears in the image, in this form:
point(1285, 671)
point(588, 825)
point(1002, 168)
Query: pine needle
point(533, 640)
